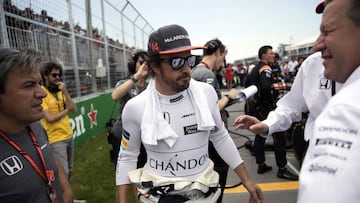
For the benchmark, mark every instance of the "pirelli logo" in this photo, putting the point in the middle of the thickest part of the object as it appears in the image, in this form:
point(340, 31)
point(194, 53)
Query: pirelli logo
point(334, 142)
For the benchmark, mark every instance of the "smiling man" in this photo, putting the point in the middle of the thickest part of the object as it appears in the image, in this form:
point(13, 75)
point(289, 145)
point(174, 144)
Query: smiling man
point(330, 165)
point(174, 118)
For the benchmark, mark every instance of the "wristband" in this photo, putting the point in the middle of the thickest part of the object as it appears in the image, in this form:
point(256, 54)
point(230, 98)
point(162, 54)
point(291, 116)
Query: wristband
point(133, 79)
point(228, 96)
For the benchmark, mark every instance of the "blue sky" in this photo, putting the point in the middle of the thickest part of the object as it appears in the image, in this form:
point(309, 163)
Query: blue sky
point(242, 25)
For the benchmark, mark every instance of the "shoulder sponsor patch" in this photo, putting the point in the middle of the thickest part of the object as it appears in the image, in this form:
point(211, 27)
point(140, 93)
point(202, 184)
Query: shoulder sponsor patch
point(125, 140)
point(268, 73)
point(209, 80)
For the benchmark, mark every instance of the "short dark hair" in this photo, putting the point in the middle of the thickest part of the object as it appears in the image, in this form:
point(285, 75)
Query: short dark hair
point(263, 50)
point(135, 57)
point(213, 45)
point(137, 54)
point(154, 59)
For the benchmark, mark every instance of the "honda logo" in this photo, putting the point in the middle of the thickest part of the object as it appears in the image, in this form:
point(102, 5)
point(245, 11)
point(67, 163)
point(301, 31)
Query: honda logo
point(324, 83)
point(11, 165)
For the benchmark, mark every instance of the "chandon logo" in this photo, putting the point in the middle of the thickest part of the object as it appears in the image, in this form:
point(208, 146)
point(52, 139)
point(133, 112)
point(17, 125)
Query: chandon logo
point(348, 131)
point(174, 166)
point(11, 165)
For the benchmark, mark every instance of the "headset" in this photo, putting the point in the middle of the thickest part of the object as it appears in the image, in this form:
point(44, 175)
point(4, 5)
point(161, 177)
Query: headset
point(212, 46)
point(135, 57)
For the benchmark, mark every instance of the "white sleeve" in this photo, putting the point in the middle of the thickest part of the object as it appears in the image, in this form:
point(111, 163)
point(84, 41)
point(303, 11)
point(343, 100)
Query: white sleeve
point(130, 142)
point(290, 107)
point(220, 137)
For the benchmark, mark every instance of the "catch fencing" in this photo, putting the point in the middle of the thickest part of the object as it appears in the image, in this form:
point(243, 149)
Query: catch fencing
point(92, 39)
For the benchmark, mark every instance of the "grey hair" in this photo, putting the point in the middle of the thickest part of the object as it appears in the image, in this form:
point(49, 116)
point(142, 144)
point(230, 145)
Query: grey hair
point(26, 60)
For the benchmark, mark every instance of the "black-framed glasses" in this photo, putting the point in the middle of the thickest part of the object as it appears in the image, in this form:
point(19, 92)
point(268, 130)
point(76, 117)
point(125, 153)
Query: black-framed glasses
point(55, 75)
point(177, 63)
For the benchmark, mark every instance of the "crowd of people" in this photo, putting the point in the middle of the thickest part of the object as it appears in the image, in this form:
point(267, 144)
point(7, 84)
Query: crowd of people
point(42, 18)
point(172, 139)
point(235, 75)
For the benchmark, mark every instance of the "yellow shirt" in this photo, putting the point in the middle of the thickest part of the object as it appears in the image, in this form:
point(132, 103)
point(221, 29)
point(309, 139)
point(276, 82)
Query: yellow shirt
point(61, 129)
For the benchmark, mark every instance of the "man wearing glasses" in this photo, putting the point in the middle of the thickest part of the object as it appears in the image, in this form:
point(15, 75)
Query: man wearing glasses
point(56, 122)
point(174, 118)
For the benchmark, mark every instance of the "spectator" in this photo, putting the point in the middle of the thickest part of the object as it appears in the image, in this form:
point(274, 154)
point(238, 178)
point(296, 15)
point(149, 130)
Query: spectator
point(56, 122)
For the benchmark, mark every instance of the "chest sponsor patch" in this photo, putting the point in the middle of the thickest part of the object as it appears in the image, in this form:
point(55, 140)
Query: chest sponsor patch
point(191, 129)
point(324, 83)
point(11, 165)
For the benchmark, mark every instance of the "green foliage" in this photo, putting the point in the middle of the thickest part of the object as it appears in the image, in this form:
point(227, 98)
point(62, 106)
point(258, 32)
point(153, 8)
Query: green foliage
point(93, 177)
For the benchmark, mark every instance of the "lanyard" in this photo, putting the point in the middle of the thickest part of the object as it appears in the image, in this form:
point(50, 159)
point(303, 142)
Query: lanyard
point(207, 66)
point(58, 101)
point(46, 175)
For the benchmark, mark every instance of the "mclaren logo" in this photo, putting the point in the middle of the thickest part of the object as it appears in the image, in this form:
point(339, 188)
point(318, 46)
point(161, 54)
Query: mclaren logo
point(11, 165)
point(173, 100)
point(175, 38)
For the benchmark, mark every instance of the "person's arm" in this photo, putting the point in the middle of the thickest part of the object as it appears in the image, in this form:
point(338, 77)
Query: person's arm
point(65, 185)
point(225, 99)
point(290, 107)
point(226, 148)
point(123, 193)
point(128, 154)
point(250, 123)
point(121, 90)
point(51, 118)
point(125, 87)
point(70, 104)
point(255, 192)
point(266, 96)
